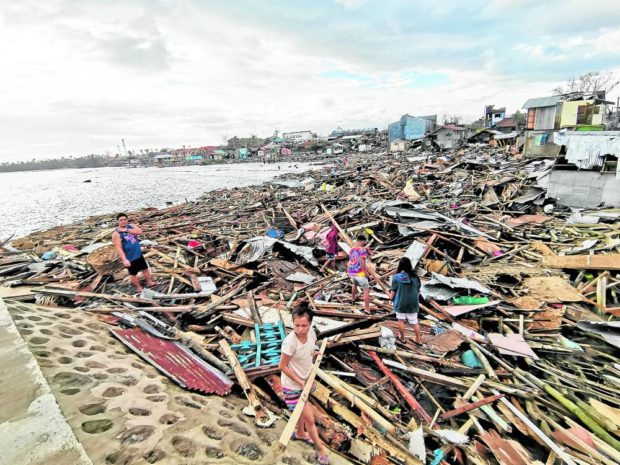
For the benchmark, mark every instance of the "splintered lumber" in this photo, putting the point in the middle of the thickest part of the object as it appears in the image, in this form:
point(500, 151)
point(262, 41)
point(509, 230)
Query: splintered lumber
point(387, 442)
point(585, 418)
point(285, 437)
point(538, 432)
point(407, 354)
point(414, 404)
point(359, 399)
point(262, 417)
point(457, 383)
point(92, 295)
point(471, 406)
point(584, 262)
point(209, 309)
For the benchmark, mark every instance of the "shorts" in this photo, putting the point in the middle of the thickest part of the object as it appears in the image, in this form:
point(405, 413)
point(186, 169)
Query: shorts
point(291, 396)
point(137, 265)
point(360, 281)
point(412, 318)
point(330, 256)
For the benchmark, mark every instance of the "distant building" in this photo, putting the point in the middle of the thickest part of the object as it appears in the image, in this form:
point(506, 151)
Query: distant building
point(399, 145)
point(339, 132)
point(298, 136)
point(448, 136)
point(164, 158)
point(493, 115)
point(411, 127)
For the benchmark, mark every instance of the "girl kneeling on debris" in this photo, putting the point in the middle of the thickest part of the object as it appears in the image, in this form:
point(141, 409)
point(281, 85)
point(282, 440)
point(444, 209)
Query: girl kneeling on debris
point(405, 293)
point(295, 365)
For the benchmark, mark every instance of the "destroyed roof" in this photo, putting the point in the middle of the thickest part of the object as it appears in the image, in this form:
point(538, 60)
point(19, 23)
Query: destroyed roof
point(449, 127)
point(539, 102)
point(507, 123)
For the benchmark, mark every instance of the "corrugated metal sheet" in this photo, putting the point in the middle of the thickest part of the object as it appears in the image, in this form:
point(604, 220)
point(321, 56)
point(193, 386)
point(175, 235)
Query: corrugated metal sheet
point(587, 150)
point(176, 361)
point(545, 118)
point(542, 102)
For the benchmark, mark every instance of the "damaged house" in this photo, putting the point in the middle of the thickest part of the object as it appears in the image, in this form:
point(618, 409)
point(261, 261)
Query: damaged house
point(448, 137)
point(410, 128)
point(578, 111)
point(587, 173)
point(570, 129)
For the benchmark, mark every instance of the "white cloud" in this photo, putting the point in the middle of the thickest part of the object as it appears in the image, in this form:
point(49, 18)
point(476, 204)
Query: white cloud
point(351, 4)
point(79, 76)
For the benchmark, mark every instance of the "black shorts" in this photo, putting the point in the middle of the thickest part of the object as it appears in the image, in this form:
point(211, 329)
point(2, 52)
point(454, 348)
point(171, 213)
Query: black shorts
point(137, 265)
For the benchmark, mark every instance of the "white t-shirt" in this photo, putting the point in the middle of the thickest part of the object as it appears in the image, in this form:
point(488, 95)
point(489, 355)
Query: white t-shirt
point(301, 358)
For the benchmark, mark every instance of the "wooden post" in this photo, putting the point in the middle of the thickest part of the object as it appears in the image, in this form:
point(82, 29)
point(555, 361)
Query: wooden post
point(402, 389)
point(285, 437)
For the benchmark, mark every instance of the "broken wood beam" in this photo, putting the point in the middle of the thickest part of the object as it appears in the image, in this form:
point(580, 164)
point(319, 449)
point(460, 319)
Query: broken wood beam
point(413, 403)
point(470, 406)
point(584, 262)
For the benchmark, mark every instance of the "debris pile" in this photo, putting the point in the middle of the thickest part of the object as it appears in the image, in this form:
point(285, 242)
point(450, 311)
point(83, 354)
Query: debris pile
point(519, 355)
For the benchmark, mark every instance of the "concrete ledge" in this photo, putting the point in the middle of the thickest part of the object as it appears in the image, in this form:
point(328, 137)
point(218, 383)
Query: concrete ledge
point(33, 429)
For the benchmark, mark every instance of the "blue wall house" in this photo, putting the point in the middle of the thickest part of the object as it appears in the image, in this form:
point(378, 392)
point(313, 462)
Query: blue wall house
point(411, 127)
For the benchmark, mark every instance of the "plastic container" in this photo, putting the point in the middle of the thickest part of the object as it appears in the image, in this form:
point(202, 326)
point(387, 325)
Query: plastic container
point(470, 360)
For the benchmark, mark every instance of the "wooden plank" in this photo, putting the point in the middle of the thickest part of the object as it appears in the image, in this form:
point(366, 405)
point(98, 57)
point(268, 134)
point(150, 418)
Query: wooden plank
point(285, 437)
point(413, 403)
point(393, 446)
point(584, 262)
point(470, 406)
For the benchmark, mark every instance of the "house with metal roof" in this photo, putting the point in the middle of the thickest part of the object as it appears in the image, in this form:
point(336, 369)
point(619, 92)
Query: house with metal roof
point(576, 111)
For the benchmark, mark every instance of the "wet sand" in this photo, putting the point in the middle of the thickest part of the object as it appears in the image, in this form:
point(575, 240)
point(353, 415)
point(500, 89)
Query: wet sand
point(124, 411)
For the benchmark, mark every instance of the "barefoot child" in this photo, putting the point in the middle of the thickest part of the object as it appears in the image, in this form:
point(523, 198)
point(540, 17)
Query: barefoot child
point(405, 293)
point(295, 365)
point(357, 271)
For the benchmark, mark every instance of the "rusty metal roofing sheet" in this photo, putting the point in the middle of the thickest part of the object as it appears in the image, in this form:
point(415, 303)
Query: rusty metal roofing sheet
point(176, 361)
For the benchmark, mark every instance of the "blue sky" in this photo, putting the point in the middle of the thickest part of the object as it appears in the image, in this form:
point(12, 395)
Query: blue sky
point(80, 75)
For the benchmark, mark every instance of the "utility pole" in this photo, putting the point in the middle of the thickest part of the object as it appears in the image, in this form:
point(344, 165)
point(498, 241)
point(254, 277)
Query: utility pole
point(124, 148)
point(119, 149)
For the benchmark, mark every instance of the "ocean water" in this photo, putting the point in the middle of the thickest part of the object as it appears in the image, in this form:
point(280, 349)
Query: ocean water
point(34, 200)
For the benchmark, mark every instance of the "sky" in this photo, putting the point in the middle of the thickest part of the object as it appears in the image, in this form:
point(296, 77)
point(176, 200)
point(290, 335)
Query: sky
point(77, 76)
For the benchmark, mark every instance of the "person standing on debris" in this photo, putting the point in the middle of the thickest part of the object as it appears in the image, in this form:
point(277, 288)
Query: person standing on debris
point(331, 248)
point(127, 246)
point(405, 293)
point(358, 272)
point(295, 364)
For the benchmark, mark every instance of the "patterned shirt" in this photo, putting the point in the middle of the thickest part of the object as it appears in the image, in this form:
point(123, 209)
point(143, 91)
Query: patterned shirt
point(356, 255)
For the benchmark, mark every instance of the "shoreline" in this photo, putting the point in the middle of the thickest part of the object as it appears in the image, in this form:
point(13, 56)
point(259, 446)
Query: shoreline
point(157, 198)
point(299, 158)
